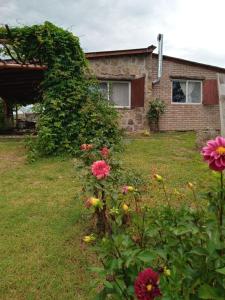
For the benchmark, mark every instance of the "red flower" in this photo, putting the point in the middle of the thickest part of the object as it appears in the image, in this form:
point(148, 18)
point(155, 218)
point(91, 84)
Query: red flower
point(100, 169)
point(104, 152)
point(86, 147)
point(146, 285)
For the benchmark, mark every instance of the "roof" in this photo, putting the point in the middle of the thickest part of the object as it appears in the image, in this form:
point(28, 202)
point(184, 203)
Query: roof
point(191, 63)
point(150, 49)
point(9, 64)
point(102, 54)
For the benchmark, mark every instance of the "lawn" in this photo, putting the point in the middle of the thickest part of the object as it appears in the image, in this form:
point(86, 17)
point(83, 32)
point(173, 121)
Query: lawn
point(42, 220)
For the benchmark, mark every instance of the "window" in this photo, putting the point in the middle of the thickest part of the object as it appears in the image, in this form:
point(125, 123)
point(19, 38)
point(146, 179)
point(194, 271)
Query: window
point(187, 91)
point(118, 92)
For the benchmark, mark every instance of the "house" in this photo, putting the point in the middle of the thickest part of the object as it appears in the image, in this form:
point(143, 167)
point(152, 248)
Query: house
point(189, 89)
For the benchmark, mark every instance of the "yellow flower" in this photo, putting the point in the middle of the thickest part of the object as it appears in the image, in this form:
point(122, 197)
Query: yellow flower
point(125, 208)
point(190, 185)
point(88, 238)
point(95, 202)
point(166, 271)
point(158, 177)
point(130, 188)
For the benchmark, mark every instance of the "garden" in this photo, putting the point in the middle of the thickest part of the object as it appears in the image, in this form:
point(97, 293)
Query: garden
point(89, 213)
point(51, 246)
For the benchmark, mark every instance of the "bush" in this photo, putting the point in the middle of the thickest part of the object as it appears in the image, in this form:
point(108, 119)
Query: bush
point(137, 244)
point(156, 109)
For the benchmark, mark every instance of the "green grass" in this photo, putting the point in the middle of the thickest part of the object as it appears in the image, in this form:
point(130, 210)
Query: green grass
point(42, 220)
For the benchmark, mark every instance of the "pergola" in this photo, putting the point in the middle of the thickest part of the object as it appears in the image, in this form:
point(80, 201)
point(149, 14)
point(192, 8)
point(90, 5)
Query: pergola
point(19, 84)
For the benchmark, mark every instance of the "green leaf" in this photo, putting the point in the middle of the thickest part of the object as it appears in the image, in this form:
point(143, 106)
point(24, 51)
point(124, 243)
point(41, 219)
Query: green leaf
point(208, 292)
point(221, 271)
point(146, 256)
point(108, 284)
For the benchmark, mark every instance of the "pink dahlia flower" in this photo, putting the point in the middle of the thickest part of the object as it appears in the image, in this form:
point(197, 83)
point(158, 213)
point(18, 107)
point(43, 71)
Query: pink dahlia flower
point(146, 285)
point(100, 169)
point(214, 153)
point(104, 152)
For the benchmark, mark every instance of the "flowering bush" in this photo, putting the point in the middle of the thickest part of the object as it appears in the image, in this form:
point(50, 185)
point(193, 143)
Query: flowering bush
point(184, 246)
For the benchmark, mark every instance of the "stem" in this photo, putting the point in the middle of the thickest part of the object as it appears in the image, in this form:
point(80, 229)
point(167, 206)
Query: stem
point(221, 200)
point(143, 229)
point(166, 194)
point(220, 209)
point(116, 282)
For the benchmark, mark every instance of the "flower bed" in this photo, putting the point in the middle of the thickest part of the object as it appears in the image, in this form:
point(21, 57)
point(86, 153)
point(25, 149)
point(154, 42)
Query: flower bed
point(147, 252)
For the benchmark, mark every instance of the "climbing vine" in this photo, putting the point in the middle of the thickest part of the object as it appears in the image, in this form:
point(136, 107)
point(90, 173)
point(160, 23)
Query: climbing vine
point(73, 110)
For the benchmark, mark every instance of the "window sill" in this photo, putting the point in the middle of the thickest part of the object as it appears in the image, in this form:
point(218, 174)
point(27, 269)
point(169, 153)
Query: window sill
point(185, 103)
point(122, 107)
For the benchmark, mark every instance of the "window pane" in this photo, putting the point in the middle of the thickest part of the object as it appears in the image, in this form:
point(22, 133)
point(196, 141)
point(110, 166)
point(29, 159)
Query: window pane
point(194, 92)
point(119, 93)
point(103, 86)
point(179, 91)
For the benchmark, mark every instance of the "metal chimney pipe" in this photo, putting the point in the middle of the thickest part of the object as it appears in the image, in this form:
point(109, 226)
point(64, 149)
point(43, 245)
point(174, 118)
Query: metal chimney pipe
point(160, 58)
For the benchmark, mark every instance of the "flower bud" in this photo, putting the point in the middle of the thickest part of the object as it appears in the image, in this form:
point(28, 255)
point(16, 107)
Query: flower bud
point(166, 271)
point(95, 202)
point(158, 177)
point(130, 188)
point(190, 185)
point(125, 208)
point(88, 238)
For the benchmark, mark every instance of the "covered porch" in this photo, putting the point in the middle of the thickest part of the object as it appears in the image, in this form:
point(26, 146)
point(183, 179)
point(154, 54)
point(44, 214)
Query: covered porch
point(19, 86)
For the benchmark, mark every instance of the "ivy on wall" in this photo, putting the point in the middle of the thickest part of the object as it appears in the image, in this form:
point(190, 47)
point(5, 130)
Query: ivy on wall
point(73, 110)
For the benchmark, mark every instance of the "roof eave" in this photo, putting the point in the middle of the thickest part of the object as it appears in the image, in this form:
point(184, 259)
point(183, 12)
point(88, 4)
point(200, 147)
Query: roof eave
point(102, 54)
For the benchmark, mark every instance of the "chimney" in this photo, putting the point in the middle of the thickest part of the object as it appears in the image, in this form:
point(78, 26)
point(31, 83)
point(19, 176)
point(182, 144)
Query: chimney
point(160, 58)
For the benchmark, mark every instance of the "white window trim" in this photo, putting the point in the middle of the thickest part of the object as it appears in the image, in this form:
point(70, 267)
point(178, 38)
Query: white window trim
point(129, 92)
point(186, 81)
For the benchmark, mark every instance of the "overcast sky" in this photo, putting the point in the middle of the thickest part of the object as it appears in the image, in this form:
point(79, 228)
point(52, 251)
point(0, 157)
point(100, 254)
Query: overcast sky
point(193, 29)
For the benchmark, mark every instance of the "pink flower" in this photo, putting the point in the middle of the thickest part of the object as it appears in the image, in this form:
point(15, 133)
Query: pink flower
point(86, 147)
point(146, 285)
point(125, 189)
point(214, 153)
point(100, 169)
point(105, 152)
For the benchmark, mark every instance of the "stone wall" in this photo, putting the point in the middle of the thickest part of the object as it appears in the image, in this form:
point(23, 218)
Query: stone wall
point(127, 68)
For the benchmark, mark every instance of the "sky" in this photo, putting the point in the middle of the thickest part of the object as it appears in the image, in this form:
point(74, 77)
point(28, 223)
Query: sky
point(192, 29)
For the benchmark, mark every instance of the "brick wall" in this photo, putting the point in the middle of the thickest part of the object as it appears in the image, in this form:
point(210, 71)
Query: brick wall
point(183, 116)
point(127, 67)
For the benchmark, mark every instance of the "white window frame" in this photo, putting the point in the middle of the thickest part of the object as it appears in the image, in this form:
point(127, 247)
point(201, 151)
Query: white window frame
point(108, 91)
point(186, 81)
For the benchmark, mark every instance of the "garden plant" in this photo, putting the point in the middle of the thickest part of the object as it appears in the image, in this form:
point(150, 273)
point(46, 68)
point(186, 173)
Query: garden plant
point(156, 110)
point(148, 252)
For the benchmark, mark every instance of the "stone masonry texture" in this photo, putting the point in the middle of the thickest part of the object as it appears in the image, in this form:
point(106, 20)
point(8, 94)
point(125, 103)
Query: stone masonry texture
point(177, 116)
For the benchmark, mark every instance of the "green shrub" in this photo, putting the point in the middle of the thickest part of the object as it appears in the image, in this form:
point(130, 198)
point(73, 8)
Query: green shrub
point(156, 109)
point(184, 245)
